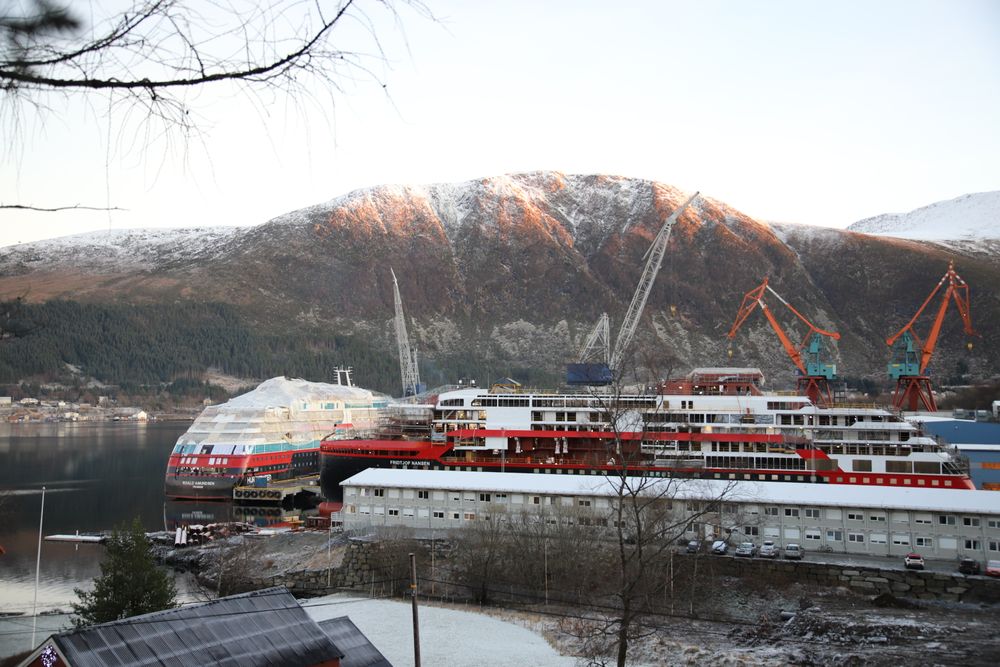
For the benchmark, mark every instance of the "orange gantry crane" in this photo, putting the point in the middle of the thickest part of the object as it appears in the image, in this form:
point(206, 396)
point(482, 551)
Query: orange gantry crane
point(814, 374)
point(910, 358)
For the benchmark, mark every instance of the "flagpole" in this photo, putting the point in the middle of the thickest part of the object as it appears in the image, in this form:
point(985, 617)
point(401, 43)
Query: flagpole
point(38, 563)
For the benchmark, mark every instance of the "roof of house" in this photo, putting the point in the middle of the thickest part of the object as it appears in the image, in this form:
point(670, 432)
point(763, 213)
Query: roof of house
point(266, 627)
point(359, 652)
point(781, 493)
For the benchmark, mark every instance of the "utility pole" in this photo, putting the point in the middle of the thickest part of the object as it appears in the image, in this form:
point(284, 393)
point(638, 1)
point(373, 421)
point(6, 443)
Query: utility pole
point(416, 624)
point(38, 568)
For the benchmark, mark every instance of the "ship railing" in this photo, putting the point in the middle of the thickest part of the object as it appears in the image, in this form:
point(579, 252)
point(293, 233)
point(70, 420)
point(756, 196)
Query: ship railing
point(859, 405)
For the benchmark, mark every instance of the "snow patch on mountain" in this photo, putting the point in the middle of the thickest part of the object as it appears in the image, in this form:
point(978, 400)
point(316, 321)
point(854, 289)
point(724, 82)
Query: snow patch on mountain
point(118, 249)
point(971, 216)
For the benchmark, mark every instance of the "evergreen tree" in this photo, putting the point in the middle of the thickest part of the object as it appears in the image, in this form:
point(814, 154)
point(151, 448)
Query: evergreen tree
point(130, 583)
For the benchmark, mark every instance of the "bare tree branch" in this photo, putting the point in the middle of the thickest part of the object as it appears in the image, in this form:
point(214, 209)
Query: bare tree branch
point(159, 46)
point(52, 209)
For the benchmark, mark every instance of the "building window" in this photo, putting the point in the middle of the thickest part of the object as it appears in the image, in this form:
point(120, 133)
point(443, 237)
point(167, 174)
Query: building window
point(438, 514)
point(583, 503)
point(423, 495)
point(770, 511)
point(855, 516)
point(456, 516)
point(813, 535)
point(926, 542)
point(470, 516)
point(946, 520)
point(393, 512)
point(535, 500)
point(857, 538)
point(994, 545)
point(792, 511)
point(876, 517)
point(751, 530)
point(993, 523)
point(972, 545)
point(901, 540)
point(812, 513)
point(922, 518)
point(971, 521)
point(484, 497)
point(877, 538)
point(834, 536)
point(379, 493)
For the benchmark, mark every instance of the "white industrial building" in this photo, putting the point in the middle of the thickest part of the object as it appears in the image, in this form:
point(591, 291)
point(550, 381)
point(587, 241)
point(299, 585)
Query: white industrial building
point(938, 523)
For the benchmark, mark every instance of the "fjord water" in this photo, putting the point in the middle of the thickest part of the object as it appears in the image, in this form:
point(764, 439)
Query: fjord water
point(97, 476)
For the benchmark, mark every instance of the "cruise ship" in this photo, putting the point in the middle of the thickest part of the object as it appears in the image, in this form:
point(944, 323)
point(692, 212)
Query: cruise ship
point(270, 433)
point(716, 423)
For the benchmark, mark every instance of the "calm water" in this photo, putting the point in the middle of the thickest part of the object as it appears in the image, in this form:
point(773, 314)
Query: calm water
point(97, 476)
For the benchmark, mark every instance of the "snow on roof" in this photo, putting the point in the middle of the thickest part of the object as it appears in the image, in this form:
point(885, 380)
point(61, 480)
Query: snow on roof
point(283, 392)
point(780, 493)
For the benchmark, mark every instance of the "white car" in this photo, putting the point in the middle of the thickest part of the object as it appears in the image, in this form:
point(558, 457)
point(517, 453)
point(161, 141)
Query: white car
point(769, 550)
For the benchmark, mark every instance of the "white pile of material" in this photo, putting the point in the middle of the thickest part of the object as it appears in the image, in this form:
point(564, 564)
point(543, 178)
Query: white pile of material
point(290, 413)
point(280, 392)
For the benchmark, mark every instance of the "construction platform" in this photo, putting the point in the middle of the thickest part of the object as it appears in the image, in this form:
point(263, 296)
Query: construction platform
point(276, 492)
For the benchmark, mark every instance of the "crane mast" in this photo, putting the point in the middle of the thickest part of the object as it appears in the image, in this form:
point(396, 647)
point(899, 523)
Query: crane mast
point(910, 358)
point(814, 375)
point(409, 370)
point(598, 341)
point(654, 258)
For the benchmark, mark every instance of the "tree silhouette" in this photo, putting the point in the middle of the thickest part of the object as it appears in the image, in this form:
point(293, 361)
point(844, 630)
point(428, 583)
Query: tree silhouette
point(130, 583)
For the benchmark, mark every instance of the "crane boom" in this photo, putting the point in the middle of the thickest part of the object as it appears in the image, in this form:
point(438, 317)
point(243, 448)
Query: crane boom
point(654, 258)
point(409, 371)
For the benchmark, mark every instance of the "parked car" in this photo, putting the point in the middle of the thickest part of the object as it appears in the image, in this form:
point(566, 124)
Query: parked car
point(793, 552)
point(720, 547)
point(769, 550)
point(993, 568)
point(693, 547)
point(913, 562)
point(968, 566)
point(747, 549)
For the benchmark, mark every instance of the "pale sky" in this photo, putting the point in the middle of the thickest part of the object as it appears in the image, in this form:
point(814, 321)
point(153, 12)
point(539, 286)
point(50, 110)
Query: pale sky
point(799, 111)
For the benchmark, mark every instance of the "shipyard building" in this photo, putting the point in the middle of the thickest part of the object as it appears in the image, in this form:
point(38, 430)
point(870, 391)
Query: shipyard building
point(873, 520)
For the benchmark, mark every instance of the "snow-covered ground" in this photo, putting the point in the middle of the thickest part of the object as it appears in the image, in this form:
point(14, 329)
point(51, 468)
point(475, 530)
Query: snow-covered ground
point(971, 216)
point(447, 636)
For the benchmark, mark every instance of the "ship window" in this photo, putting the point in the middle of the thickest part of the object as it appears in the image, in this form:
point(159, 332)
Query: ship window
point(861, 465)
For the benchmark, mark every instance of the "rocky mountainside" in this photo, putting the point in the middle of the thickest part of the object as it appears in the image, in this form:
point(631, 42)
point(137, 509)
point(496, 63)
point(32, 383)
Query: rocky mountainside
point(507, 275)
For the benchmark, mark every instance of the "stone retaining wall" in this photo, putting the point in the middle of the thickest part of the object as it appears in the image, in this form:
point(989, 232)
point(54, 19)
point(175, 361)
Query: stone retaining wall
point(914, 584)
point(367, 564)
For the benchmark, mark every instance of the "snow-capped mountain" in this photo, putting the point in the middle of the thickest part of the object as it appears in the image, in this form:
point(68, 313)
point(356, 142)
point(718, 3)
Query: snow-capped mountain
point(966, 218)
point(514, 270)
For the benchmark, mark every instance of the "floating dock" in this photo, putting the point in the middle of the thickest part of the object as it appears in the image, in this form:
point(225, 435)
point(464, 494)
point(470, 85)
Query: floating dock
point(276, 492)
point(86, 539)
